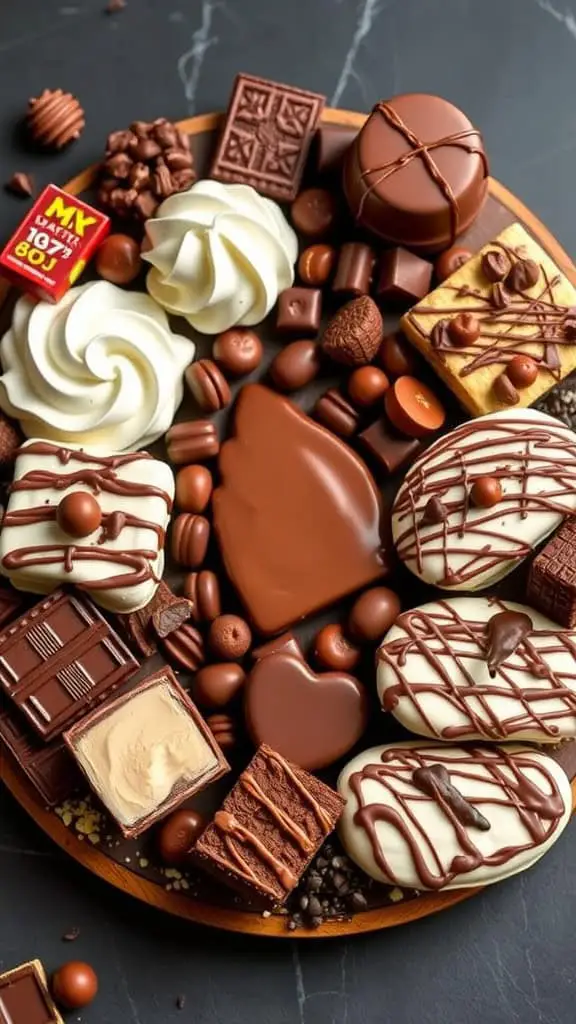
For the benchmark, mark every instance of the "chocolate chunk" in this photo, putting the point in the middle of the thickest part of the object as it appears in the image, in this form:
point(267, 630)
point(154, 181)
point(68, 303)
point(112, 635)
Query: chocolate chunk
point(20, 184)
point(299, 311)
point(505, 631)
point(58, 658)
point(391, 451)
point(372, 614)
point(286, 642)
point(161, 616)
point(275, 818)
point(74, 985)
point(336, 413)
point(266, 136)
point(434, 513)
point(404, 277)
point(354, 269)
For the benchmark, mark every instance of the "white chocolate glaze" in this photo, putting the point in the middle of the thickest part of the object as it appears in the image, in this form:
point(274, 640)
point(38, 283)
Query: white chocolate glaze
point(220, 255)
point(433, 674)
point(533, 456)
point(101, 367)
point(505, 807)
point(120, 572)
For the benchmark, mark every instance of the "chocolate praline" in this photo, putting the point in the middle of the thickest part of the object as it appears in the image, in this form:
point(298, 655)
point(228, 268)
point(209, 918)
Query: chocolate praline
point(372, 614)
point(74, 985)
point(178, 833)
point(118, 259)
point(79, 514)
point(421, 201)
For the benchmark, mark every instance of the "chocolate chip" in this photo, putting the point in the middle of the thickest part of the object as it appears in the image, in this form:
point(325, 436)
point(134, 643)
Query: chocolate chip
point(495, 265)
point(505, 391)
point(358, 902)
point(20, 184)
point(71, 935)
point(434, 513)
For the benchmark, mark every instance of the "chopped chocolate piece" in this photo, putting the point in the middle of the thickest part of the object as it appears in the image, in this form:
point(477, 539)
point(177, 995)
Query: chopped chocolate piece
point(49, 767)
point(336, 413)
point(404, 277)
point(58, 658)
point(266, 136)
point(552, 580)
point(354, 269)
point(20, 184)
point(25, 998)
point(269, 827)
point(299, 311)
point(330, 890)
point(157, 724)
point(391, 451)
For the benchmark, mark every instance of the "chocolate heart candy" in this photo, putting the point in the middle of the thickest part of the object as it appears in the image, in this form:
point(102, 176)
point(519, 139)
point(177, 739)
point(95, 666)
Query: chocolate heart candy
point(310, 718)
point(297, 515)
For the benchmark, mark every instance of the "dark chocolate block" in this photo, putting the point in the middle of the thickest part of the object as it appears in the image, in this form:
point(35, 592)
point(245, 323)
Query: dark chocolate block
point(330, 145)
point(24, 996)
point(266, 136)
point(391, 451)
point(269, 828)
point(109, 765)
point(404, 277)
point(552, 580)
point(50, 767)
point(299, 311)
point(58, 658)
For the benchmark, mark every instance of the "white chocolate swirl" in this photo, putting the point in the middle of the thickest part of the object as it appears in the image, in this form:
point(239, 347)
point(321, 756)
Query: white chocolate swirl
point(101, 367)
point(220, 255)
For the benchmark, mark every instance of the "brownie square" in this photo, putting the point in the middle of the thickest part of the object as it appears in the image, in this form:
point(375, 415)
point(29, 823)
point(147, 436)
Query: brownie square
point(270, 826)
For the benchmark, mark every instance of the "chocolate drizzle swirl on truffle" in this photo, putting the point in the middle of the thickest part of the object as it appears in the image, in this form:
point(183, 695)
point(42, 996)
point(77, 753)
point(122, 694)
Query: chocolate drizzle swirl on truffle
point(538, 805)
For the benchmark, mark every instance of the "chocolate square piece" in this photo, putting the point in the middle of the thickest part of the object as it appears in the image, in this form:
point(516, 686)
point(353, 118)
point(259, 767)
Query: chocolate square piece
point(270, 826)
point(50, 767)
point(10, 603)
point(58, 658)
point(404, 277)
point(146, 752)
point(266, 136)
point(299, 311)
point(116, 551)
point(24, 996)
point(501, 330)
point(552, 580)
point(390, 450)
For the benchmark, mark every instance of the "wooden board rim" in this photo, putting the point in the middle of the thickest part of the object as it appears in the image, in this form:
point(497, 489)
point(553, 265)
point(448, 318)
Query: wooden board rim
point(96, 861)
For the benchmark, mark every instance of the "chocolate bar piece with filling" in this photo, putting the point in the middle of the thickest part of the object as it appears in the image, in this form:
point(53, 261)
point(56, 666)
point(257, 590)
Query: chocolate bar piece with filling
point(269, 828)
point(58, 658)
point(552, 580)
point(24, 996)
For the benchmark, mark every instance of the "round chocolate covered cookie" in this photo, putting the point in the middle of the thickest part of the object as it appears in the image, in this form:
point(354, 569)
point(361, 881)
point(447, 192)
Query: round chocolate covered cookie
point(416, 174)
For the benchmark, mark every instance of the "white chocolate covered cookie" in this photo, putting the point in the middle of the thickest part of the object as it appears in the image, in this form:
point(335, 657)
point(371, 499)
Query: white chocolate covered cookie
point(481, 498)
point(111, 546)
point(430, 816)
point(478, 668)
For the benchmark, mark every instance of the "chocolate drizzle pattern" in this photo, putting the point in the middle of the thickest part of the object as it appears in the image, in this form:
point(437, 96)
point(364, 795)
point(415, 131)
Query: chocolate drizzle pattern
point(510, 783)
point(99, 474)
point(237, 835)
point(468, 140)
point(448, 647)
point(500, 313)
point(534, 459)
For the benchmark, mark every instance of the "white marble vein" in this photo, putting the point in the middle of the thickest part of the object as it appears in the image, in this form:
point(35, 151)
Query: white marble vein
point(367, 13)
point(565, 17)
point(303, 997)
point(300, 988)
point(191, 61)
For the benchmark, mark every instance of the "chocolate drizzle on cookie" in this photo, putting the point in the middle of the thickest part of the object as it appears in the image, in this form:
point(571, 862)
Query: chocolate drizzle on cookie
point(514, 781)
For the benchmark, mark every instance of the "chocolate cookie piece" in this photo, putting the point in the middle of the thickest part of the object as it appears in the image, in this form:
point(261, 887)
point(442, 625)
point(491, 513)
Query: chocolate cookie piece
point(311, 531)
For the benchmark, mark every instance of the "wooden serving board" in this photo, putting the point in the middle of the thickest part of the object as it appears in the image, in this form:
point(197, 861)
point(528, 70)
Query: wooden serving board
point(98, 859)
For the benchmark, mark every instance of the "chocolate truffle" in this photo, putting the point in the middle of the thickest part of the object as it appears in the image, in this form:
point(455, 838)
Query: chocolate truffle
point(450, 261)
point(314, 212)
point(229, 637)
point(316, 264)
point(372, 614)
point(216, 685)
point(416, 174)
point(238, 351)
point(74, 985)
point(486, 491)
point(118, 259)
point(79, 514)
point(178, 833)
point(296, 365)
point(354, 334)
point(334, 650)
point(366, 385)
point(522, 371)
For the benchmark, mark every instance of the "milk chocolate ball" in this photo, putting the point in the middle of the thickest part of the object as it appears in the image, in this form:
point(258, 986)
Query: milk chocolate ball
point(372, 614)
point(366, 385)
point(229, 637)
point(486, 491)
point(79, 514)
point(178, 833)
point(74, 985)
point(238, 351)
point(193, 488)
point(522, 371)
point(450, 261)
point(118, 259)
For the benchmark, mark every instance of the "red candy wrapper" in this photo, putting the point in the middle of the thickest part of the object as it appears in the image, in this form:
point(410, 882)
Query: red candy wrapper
point(53, 244)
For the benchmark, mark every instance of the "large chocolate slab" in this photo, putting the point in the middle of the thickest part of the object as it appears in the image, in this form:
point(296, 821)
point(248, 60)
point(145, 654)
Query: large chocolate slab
point(58, 658)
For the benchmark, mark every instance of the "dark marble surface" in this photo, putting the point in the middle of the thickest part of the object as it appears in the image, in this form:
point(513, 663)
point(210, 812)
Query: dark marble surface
point(507, 955)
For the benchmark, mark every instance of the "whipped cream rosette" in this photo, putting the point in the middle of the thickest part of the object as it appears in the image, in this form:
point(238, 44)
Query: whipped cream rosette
point(220, 255)
point(101, 367)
